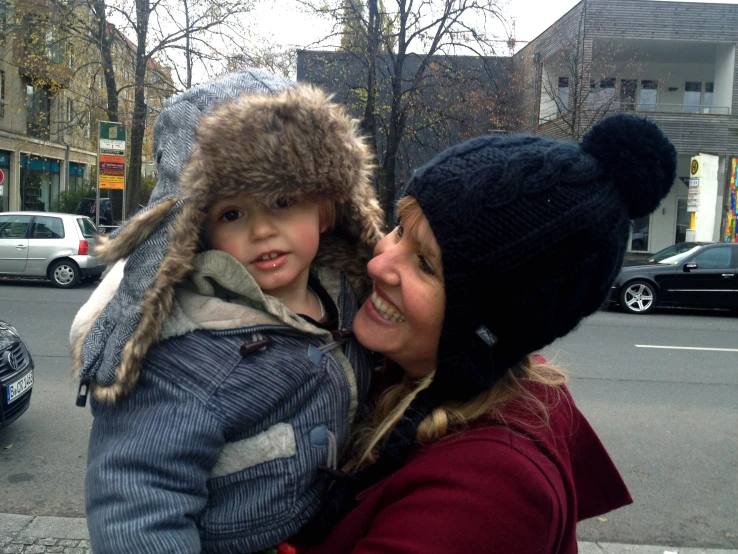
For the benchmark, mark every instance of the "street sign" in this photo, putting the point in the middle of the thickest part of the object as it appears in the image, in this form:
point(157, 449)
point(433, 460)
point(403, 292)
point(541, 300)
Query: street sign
point(111, 169)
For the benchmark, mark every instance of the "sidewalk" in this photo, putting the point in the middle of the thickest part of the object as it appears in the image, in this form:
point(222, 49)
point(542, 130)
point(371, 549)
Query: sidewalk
point(66, 535)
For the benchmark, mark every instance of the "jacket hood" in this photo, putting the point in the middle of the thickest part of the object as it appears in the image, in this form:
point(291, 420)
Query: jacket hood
point(292, 142)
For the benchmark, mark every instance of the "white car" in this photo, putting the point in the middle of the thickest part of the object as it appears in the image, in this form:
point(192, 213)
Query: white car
point(51, 245)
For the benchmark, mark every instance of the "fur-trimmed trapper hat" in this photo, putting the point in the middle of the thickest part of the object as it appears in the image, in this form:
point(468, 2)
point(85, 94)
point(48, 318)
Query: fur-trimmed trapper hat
point(250, 132)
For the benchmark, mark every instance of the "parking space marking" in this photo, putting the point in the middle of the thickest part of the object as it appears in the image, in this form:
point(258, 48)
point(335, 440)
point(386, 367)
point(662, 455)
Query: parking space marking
point(686, 348)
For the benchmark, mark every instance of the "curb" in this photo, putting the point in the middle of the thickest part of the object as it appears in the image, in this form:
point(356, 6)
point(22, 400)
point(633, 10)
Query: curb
point(21, 534)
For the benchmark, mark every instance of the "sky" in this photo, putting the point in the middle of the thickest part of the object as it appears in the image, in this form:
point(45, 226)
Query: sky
point(282, 23)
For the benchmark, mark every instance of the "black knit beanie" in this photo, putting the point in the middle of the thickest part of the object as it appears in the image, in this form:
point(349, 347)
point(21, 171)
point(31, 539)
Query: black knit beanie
point(532, 233)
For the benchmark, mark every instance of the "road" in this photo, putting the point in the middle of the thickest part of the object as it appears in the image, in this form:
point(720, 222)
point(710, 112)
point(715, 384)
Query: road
point(669, 418)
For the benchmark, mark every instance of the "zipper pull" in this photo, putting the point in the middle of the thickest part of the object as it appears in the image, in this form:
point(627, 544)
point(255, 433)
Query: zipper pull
point(84, 387)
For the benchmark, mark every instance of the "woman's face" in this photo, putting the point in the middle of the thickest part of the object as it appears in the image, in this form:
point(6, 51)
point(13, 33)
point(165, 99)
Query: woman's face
point(402, 319)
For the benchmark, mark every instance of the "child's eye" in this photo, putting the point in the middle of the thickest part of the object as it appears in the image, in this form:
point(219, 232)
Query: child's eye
point(283, 203)
point(230, 215)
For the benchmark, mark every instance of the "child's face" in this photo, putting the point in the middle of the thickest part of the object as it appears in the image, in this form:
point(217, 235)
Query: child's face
point(275, 243)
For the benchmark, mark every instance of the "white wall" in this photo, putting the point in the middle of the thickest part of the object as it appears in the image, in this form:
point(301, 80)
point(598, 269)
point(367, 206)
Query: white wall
point(663, 220)
point(724, 71)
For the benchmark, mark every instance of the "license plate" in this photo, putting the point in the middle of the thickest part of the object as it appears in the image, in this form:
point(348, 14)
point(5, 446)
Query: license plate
point(15, 390)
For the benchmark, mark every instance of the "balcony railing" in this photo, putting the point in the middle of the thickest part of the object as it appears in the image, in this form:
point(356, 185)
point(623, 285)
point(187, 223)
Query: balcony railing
point(668, 108)
point(632, 107)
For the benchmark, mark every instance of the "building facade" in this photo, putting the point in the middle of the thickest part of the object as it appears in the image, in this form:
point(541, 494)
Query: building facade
point(673, 62)
point(52, 93)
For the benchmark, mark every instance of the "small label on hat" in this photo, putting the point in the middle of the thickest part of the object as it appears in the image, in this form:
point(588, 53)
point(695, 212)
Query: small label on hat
point(486, 335)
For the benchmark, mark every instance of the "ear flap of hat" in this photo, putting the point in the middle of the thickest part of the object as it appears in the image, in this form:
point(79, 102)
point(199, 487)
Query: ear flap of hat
point(135, 231)
point(157, 302)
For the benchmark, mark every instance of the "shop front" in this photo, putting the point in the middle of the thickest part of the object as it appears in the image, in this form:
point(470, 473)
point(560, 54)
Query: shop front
point(39, 183)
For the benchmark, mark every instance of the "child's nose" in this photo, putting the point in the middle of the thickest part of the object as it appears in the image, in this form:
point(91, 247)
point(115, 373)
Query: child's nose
point(262, 227)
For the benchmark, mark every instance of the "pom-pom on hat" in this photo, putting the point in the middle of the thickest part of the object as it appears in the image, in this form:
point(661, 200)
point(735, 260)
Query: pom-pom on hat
point(532, 233)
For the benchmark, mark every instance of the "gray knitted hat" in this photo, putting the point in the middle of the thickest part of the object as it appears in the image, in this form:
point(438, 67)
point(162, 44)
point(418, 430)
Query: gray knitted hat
point(248, 132)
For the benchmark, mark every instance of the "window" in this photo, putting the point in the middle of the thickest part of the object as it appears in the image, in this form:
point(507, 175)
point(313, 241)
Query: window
point(38, 111)
point(87, 227)
point(48, 228)
point(607, 92)
point(709, 88)
point(591, 96)
point(714, 258)
point(628, 94)
point(562, 100)
point(14, 226)
point(70, 111)
point(87, 124)
point(2, 91)
point(649, 95)
point(692, 92)
point(3, 19)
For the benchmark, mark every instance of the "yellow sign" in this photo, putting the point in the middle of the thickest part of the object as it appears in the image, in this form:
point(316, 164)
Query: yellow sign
point(114, 182)
point(695, 167)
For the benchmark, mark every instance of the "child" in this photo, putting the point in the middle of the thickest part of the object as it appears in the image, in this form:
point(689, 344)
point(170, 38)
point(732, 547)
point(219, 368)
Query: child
point(234, 379)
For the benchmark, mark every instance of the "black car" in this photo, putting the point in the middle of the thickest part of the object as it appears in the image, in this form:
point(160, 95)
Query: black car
point(16, 375)
point(88, 207)
point(688, 274)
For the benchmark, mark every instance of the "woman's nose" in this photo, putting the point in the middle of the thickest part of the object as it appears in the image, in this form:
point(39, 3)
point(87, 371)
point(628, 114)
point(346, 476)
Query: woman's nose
point(384, 266)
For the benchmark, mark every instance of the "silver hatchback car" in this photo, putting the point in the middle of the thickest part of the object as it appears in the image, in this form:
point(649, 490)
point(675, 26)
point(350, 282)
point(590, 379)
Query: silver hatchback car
point(51, 245)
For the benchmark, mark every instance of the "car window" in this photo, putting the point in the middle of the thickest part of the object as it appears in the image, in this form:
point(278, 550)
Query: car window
point(667, 254)
point(47, 227)
point(14, 226)
point(86, 226)
point(714, 258)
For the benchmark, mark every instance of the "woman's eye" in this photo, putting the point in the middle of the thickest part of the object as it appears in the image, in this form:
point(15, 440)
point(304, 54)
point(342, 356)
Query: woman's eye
point(398, 230)
point(282, 203)
point(230, 215)
point(425, 267)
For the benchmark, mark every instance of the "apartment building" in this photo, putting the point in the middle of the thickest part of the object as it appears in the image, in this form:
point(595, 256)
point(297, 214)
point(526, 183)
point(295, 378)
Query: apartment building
point(673, 62)
point(52, 93)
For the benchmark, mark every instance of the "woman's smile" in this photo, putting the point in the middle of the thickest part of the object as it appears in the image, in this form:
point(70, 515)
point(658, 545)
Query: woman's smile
point(386, 309)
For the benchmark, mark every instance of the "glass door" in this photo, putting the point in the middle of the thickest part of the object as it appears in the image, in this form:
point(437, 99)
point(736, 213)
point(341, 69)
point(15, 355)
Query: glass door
point(639, 234)
point(682, 221)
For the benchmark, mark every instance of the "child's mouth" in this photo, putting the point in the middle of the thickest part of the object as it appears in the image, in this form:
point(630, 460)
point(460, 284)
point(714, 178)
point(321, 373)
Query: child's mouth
point(270, 261)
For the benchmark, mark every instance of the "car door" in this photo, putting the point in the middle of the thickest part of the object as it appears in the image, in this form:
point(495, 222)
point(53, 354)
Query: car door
point(47, 243)
point(14, 243)
point(707, 279)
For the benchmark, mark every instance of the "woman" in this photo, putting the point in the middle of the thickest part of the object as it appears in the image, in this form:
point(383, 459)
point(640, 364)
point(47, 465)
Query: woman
point(504, 245)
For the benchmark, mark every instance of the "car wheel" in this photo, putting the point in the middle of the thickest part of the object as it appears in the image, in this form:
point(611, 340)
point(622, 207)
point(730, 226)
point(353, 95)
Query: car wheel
point(638, 297)
point(64, 274)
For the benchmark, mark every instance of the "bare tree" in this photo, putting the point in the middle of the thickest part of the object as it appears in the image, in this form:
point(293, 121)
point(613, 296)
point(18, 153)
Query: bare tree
point(402, 44)
point(167, 28)
point(576, 83)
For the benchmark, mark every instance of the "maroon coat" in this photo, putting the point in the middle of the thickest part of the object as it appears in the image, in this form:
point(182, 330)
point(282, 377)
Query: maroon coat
point(491, 488)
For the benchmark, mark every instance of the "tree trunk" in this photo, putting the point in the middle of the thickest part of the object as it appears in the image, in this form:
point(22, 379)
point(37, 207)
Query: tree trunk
point(106, 40)
point(138, 126)
point(368, 122)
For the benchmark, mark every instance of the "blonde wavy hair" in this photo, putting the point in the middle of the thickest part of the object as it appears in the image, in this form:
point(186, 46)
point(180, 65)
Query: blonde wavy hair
point(452, 416)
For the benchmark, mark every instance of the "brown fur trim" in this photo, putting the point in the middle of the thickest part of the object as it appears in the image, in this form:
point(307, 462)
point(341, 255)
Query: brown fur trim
point(298, 142)
point(136, 230)
point(157, 303)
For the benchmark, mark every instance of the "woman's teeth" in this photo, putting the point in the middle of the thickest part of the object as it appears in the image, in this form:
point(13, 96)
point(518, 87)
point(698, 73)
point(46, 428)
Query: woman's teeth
point(387, 311)
point(266, 257)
